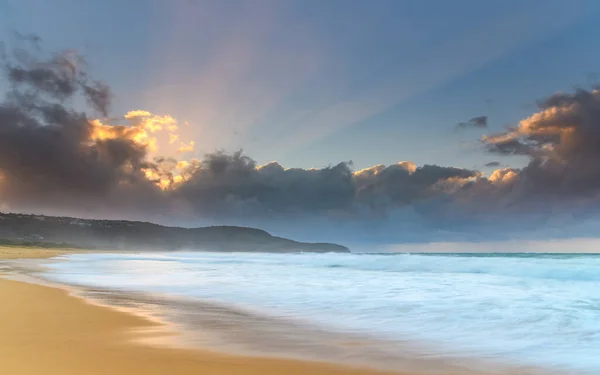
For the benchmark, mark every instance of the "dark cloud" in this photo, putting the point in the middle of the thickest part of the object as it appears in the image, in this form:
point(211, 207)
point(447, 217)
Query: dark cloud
point(56, 78)
point(233, 183)
point(480, 122)
point(403, 183)
point(47, 156)
point(563, 142)
point(492, 164)
point(510, 146)
point(33, 39)
point(98, 95)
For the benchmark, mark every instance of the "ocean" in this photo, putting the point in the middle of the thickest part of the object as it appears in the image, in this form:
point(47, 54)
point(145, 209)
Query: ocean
point(524, 309)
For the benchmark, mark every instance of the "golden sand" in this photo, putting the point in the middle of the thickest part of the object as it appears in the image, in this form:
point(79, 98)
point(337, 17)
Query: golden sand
point(46, 331)
point(15, 252)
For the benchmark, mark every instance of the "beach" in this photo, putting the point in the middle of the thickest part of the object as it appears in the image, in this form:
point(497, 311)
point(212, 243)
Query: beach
point(46, 330)
point(89, 312)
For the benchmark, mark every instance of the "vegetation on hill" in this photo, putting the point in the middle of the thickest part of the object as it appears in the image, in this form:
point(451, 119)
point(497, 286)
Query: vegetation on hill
point(49, 231)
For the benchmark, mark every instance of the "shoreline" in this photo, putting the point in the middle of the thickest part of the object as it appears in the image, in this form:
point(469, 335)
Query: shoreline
point(158, 332)
point(45, 330)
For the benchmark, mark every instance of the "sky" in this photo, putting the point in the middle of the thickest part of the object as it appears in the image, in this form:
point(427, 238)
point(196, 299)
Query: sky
point(313, 83)
point(430, 101)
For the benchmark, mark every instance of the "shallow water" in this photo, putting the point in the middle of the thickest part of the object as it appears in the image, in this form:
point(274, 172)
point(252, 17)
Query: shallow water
point(539, 310)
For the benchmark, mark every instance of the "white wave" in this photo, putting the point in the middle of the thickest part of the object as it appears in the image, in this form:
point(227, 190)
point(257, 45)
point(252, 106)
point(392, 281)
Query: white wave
point(538, 310)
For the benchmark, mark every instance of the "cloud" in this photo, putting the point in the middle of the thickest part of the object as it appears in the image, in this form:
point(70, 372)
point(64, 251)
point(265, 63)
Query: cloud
point(59, 77)
point(189, 147)
point(55, 159)
point(480, 122)
point(492, 164)
point(562, 140)
point(52, 156)
point(151, 122)
point(504, 176)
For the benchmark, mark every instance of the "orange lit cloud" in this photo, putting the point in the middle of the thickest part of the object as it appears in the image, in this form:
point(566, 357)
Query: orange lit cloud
point(158, 135)
point(504, 176)
point(186, 147)
point(151, 122)
point(136, 134)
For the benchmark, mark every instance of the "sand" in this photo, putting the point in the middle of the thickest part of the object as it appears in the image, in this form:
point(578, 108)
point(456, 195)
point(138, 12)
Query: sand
point(14, 252)
point(47, 331)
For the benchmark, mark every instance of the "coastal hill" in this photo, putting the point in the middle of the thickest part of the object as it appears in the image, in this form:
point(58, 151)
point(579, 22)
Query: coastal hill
point(53, 231)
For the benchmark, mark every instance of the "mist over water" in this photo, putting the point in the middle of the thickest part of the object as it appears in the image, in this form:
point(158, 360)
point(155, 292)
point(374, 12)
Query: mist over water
point(528, 309)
